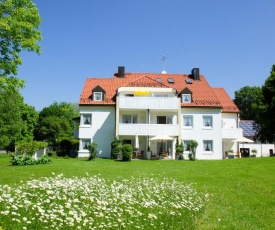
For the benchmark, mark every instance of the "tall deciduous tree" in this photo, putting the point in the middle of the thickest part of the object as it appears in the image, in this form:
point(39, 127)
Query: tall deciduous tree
point(17, 120)
point(246, 98)
point(29, 118)
point(19, 30)
point(56, 122)
point(265, 119)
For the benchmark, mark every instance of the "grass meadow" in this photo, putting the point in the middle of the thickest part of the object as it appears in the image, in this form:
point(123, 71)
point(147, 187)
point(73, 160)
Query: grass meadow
point(242, 191)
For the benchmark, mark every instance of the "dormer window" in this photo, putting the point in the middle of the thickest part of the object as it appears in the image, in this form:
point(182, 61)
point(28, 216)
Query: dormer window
point(97, 96)
point(186, 98)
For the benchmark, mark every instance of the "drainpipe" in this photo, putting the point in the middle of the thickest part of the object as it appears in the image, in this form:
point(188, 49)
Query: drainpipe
point(148, 122)
point(117, 115)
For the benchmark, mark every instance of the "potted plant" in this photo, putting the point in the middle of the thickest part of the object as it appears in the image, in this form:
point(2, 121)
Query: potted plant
point(230, 153)
point(254, 152)
point(148, 154)
point(192, 146)
point(179, 150)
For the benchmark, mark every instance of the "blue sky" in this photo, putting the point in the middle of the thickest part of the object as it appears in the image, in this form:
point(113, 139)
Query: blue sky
point(231, 41)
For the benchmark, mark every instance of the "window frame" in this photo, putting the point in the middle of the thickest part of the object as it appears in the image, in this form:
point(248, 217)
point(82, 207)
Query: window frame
point(185, 149)
point(133, 118)
point(83, 119)
point(186, 95)
point(95, 97)
point(208, 144)
point(84, 141)
point(186, 117)
point(205, 122)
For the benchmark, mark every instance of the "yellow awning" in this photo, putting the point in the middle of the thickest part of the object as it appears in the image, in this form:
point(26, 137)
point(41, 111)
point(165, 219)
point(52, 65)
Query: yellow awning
point(141, 92)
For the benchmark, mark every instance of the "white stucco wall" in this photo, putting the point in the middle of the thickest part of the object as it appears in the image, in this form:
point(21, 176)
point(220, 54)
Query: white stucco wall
point(200, 133)
point(101, 131)
point(262, 149)
point(229, 120)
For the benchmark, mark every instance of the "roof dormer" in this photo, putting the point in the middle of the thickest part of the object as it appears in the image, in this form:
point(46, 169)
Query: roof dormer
point(98, 94)
point(186, 95)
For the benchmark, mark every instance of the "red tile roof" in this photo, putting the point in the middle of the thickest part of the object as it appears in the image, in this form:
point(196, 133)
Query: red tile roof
point(202, 93)
point(227, 104)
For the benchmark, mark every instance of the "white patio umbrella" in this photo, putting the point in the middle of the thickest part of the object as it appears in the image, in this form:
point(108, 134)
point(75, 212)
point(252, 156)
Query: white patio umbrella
point(161, 138)
point(242, 139)
point(136, 142)
point(136, 146)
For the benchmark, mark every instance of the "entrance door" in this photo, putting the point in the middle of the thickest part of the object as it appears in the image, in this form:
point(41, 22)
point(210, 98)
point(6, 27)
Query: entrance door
point(245, 152)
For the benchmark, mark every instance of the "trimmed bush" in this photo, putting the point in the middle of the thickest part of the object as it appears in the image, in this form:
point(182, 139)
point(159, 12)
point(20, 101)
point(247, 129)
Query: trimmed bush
point(127, 152)
point(92, 150)
point(115, 148)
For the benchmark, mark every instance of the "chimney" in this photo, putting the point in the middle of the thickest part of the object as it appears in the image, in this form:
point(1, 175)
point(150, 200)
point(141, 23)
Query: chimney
point(120, 72)
point(196, 74)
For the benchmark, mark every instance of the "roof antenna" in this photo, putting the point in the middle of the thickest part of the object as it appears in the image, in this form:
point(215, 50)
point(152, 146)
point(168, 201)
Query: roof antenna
point(163, 59)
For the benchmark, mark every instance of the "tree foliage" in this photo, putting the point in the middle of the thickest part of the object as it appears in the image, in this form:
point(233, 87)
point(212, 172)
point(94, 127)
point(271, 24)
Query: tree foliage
point(19, 30)
point(10, 118)
point(265, 109)
point(29, 118)
point(17, 120)
point(192, 146)
point(56, 123)
point(246, 100)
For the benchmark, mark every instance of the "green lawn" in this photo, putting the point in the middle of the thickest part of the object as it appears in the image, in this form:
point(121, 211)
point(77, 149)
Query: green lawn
point(242, 190)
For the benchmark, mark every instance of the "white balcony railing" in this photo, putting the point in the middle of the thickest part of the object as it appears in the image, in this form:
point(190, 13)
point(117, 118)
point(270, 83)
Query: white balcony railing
point(168, 103)
point(232, 133)
point(148, 129)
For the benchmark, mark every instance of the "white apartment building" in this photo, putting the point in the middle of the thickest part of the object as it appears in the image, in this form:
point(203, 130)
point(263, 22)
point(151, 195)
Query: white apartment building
point(136, 107)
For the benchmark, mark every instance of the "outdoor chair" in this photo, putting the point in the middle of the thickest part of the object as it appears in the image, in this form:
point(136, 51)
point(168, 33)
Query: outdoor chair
point(153, 156)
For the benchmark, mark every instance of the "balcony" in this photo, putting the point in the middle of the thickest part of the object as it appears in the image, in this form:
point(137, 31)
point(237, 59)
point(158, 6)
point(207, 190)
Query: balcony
point(232, 133)
point(148, 129)
point(167, 103)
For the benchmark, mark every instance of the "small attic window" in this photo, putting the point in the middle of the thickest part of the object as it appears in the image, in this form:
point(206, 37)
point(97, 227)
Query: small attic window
point(159, 79)
point(97, 96)
point(171, 80)
point(188, 81)
point(186, 98)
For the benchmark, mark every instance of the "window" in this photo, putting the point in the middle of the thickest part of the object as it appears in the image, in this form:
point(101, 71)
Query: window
point(87, 119)
point(129, 119)
point(186, 98)
point(188, 121)
point(185, 145)
point(207, 121)
point(171, 80)
point(164, 119)
point(169, 120)
point(85, 143)
point(160, 95)
point(97, 96)
point(208, 146)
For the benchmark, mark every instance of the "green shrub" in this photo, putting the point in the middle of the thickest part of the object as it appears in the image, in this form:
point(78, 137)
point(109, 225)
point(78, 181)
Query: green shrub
point(51, 153)
point(26, 159)
point(115, 147)
point(92, 150)
point(179, 149)
point(44, 160)
point(127, 152)
point(192, 145)
point(66, 145)
point(30, 147)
